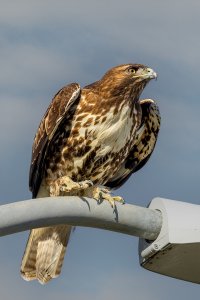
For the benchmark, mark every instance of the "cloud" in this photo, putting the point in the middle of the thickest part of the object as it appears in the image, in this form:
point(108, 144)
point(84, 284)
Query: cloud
point(145, 27)
point(148, 26)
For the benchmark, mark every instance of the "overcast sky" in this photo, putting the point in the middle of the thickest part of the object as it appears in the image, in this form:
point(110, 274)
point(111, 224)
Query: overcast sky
point(46, 44)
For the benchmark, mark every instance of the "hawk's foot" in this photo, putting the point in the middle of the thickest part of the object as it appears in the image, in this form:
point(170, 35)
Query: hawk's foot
point(66, 185)
point(101, 194)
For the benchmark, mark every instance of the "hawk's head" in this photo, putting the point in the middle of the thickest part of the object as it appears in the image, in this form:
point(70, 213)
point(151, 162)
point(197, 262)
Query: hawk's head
point(129, 77)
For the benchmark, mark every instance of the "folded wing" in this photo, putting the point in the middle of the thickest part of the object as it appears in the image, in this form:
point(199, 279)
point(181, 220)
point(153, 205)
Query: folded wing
point(145, 140)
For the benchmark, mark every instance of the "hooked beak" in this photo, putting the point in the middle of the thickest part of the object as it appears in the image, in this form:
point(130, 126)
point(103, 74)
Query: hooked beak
point(150, 73)
point(146, 73)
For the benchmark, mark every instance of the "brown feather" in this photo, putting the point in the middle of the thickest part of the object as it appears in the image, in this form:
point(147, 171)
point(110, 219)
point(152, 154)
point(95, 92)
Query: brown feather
point(45, 252)
point(145, 141)
point(57, 111)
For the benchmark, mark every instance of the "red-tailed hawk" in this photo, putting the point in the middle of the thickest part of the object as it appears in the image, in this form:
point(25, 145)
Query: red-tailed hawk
point(88, 141)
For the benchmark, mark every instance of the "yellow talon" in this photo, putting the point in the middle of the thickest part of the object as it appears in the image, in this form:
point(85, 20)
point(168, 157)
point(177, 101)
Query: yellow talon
point(101, 194)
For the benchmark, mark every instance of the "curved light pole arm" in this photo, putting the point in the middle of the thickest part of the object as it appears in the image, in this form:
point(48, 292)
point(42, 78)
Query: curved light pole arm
point(77, 211)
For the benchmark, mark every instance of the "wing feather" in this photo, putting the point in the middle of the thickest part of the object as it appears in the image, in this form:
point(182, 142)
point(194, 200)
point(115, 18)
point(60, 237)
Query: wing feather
point(145, 140)
point(56, 113)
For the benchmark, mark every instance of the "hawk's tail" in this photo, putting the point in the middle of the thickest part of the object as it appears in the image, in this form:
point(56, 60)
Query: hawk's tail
point(44, 253)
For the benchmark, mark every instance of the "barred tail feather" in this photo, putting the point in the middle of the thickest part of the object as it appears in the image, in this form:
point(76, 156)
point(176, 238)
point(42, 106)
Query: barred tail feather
point(44, 253)
point(45, 249)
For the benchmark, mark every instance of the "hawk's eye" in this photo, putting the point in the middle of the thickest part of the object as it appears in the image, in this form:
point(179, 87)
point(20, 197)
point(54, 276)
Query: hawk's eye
point(131, 70)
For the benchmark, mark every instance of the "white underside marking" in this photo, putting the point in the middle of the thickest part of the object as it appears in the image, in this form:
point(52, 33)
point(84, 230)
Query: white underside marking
point(115, 131)
point(112, 133)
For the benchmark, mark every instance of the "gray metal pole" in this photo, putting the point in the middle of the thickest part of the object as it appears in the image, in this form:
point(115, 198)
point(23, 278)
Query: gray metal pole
point(77, 211)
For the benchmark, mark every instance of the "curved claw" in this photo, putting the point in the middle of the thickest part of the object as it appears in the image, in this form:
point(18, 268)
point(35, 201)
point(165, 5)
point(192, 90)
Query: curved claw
point(66, 185)
point(101, 194)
